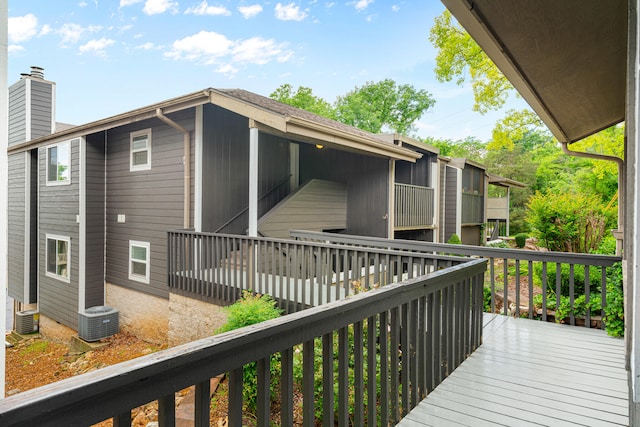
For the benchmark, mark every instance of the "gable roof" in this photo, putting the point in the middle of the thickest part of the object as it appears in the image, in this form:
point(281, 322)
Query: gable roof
point(567, 58)
point(267, 114)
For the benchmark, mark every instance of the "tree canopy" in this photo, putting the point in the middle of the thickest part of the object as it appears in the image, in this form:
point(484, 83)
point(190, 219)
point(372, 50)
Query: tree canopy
point(376, 107)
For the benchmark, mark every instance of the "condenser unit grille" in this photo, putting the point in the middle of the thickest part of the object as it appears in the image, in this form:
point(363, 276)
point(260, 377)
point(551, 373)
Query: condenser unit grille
point(27, 321)
point(98, 322)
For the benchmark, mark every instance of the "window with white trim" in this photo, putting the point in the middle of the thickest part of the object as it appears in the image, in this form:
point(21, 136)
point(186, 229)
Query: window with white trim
point(139, 264)
point(58, 256)
point(59, 164)
point(140, 148)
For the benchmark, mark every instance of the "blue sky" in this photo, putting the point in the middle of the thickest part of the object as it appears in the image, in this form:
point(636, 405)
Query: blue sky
point(108, 57)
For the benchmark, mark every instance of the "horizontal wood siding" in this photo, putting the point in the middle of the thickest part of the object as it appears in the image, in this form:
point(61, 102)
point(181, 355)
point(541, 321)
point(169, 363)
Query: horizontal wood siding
point(16, 225)
point(57, 212)
point(17, 113)
point(41, 108)
point(319, 205)
point(151, 200)
point(95, 220)
point(450, 199)
point(225, 174)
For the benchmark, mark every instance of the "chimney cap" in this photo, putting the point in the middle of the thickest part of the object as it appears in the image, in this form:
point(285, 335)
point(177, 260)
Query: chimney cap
point(37, 72)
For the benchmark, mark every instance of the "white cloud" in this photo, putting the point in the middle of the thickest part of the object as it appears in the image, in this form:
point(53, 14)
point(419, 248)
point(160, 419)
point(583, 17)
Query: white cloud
point(71, 33)
point(14, 48)
point(46, 29)
point(146, 46)
point(82, 4)
point(204, 9)
point(206, 46)
point(96, 46)
point(362, 4)
point(214, 48)
point(329, 5)
point(257, 50)
point(250, 11)
point(22, 28)
point(289, 12)
point(156, 7)
point(124, 3)
point(395, 8)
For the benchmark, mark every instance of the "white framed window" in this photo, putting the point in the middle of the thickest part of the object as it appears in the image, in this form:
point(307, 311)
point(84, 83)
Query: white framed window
point(58, 256)
point(139, 264)
point(140, 148)
point(59, 164)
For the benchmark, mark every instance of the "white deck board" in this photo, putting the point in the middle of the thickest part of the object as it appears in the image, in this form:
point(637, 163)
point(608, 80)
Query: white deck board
point(532, 373)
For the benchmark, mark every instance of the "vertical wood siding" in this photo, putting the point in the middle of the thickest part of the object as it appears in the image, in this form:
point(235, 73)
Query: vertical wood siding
point(95, 220)
point(57, 212)
point(151, 200)
point(16, 225)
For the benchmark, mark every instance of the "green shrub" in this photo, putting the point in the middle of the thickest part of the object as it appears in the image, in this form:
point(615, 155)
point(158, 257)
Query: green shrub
point(249, 310)
point(500, 244)
point(614, 311)
point(454, 239)
point(521, 240)
point(486, 303)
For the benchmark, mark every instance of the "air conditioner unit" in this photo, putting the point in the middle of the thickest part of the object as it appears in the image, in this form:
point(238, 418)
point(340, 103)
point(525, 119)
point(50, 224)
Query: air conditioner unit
point(98, 322)
point(27, 321)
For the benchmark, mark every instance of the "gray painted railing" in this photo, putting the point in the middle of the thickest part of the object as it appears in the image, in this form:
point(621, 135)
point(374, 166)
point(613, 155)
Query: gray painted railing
point(472, 208)
point(496, 227)
point(510, 265)
point(404, 338)
point(414, 207)
point(219, 267)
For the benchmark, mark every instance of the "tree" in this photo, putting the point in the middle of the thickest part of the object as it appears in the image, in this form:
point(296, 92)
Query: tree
point(469, 147)
point(375, 107)
point(303, 98)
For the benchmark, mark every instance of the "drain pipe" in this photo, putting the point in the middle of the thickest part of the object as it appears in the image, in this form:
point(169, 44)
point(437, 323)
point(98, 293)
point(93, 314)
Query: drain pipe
point(617, 233)
point(186, 161)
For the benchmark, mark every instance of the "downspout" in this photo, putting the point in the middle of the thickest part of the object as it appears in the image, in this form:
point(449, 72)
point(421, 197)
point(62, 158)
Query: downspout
point(617, 233)
point(186, 161)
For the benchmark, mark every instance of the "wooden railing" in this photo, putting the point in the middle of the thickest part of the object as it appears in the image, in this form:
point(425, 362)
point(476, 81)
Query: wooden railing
point(404, 338)
point(414, 207)
point(496, 228)
point(219, 267)
point(512, 271)
point(472, 208)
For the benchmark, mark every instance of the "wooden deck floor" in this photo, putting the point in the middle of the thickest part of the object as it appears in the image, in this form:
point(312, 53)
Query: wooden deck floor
point(530, 373)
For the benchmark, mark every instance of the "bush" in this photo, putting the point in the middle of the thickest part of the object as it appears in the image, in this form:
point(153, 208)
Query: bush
point(249, 310)
point(454, 239)
point(614, 311)
point(521, 240)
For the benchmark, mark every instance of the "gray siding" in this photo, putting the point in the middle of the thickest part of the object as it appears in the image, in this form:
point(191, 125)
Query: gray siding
point(450, 198)
point(367, 181)
point(17, 113)
point(57, 212)
point(41, 108)
point(418, 173)
point(16, 225)
point(151, 200)
point(95, 220)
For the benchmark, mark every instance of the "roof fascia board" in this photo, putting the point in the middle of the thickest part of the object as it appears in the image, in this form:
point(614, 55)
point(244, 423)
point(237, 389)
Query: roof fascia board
point(306, 128)
point(273, 120)
point(470, 19)
point(144, 113)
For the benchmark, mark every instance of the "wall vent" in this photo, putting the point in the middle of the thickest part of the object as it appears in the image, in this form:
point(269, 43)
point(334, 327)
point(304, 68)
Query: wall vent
point(27, 321)
point(98, 322)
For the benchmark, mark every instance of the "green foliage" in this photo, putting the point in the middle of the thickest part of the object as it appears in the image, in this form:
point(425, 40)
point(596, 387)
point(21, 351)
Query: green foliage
point(486, 300)
point(595, 279)
point(454, 239)
point(303, 98)
point(470, 147)
point(569, 222)
point(383, 105)
point(249, 310)
point(614, 311)
point(521, 239)
point(500, 244)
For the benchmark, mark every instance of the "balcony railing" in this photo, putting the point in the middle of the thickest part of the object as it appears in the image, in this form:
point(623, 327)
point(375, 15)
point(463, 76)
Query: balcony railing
point(414, 207)
point(472, 208)
point(404, 338)
point(562, 273)
point(219, 267)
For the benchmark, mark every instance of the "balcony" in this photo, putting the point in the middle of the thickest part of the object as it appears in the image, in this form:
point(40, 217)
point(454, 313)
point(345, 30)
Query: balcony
point(396, 317)
point(472, 208)
point(414, 207)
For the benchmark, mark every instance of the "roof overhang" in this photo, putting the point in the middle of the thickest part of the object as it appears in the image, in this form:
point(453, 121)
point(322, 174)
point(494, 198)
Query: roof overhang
point(501, 181)
point(567, 58)
point(292, 127)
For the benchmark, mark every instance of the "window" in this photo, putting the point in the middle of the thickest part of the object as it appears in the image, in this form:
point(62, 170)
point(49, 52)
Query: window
point(59, 164)
point(58, 257)
point(141, 150)
point(139, 261)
